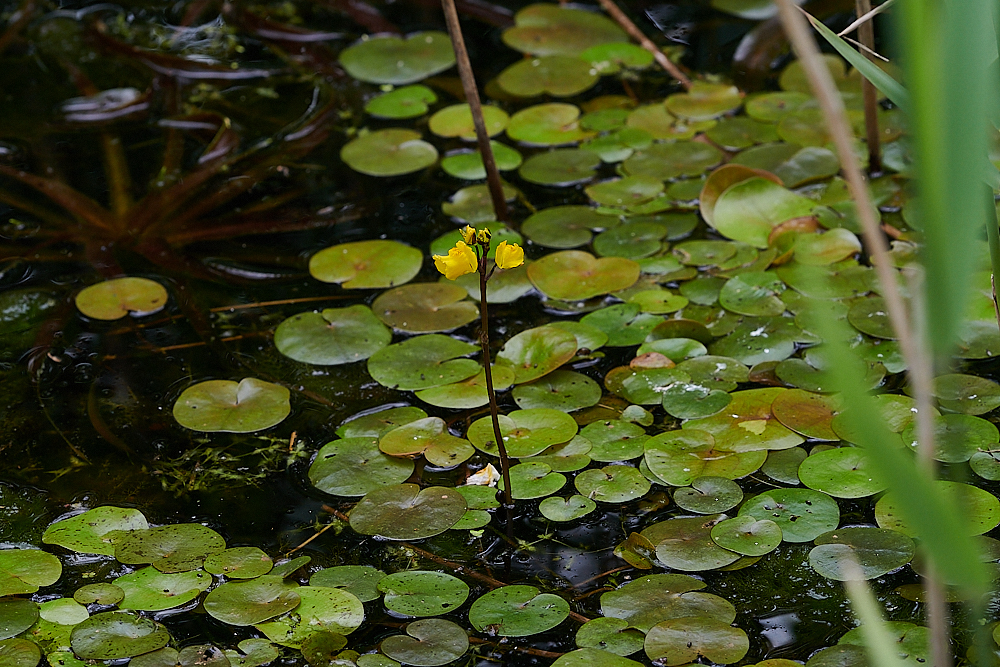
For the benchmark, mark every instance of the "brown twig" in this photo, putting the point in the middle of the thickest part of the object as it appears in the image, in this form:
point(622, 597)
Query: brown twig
point(475, 106)
point(866, 35)
point(633, 30)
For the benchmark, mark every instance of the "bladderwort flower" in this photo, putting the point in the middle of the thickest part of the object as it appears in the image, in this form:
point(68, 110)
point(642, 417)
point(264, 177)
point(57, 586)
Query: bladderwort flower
point(509, 255)
point(459, 261)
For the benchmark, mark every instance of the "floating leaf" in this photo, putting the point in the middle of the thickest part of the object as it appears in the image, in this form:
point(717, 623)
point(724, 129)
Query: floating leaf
point(625, 192)
point(643, 386)
point(536, 352)
point(611, 57)
point(802, 514)
point(967, 394)
point(546, 29)
point(709, 495)
point(361, 581)
point(390, 152)
point(612, 484)
point(227, 406)
point(844, 472)
point(366, 264)
point(322, 609)
point(252, 601)
point(468, 164)
point(750, 209)
point(474, 205)
point(335, 336)
point(623, 324)
point(869, 315)
point(398, 60)
point(566, 509)
point(566, 457)
point(517, 611)
point(746, 535)
point(806, 413)
point(470, 393)
point(634, 240)
point(239, 563)
point(575, 275)
point(560, 167)
point(255, 653)
point(423, 362)
point(957, 437)
point(103, 594)
point(116, 298)
point(559, 76)
point(423, 593)
point(564, 226)
point(747, 424)
point(430, 438)
point(679, 457)
point(665, 161)
point(149, 589)
point(653, 598)
point(189, 656)
point(682, 640)
point(525, 432)
point(405, 512)
point(456, 121)
point(117, 635)
point(16, 616)
point(660, 124)
point(427, 643)
point(551, 124)
point(686, 544)
point(23, 571)
point(405, 102)
point(92, 531)
point(704, 100)
point(870, 552)
point(560, 390)
point(356, 466)
point(425, 307)
point(614, 440)
point(734, 133)
point(783, 465)
point(179, 547)
point(979, 507)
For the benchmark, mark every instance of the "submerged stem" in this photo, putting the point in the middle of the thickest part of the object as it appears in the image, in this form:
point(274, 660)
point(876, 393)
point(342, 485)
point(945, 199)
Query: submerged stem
point(484, 340)
point(866, 35)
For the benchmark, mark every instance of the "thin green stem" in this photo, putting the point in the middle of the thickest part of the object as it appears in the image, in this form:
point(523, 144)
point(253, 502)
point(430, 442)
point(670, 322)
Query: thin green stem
point(484, 340)
point(993, 237)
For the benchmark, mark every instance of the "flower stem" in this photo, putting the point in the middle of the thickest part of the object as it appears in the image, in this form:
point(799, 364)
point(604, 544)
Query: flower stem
point(484, 340)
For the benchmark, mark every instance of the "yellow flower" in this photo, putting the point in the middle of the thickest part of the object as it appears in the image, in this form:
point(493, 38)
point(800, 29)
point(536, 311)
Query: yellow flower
point(483, 236)
point(460, 260)
point(468, 234)
point(509, 256)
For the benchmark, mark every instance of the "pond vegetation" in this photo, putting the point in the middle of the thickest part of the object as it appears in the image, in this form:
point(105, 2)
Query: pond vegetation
point(247, 421)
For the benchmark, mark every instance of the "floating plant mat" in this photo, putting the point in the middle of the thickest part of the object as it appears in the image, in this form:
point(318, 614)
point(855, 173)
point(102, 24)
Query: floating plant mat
point(663, 386)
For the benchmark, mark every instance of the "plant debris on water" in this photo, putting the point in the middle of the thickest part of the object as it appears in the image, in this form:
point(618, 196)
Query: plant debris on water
point(245, 419)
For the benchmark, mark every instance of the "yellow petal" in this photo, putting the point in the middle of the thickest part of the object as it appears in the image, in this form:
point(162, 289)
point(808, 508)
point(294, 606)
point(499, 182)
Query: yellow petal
point(459, 261)
point(468, 234)
point(509, 255)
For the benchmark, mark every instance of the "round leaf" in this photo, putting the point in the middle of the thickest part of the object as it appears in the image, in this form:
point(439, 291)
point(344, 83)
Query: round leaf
point(116, 298)
point(389, 152)
point(534, 353)
point(517, 611)
point(335, 336)
point(427, 643)
point(709, 495)
point(322, 609)
point(91, 532)
point(117, 635)
point(223, 405)
point(802, 514)
point(252, 601)
point(574, 275)
point(356, 466)
point(869, 552)
point(397, 60)
point(405, 512)
point(682, 640)
point(423, 593)
point(566, 509)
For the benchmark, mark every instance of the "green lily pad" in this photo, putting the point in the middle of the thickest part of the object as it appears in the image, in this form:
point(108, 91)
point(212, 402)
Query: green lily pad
point(612, 484)
point(393, 151)
point(559, 76)
point(470, 393)
point(405, 102)
point(746, 535)
point(609, 634)
point(427, 643)
point(957, 437)
point(661, 124)
point(149, 589)
point(253, 653)
point(680, 457)
point(682, 640)
point(675, 349)
point(474, 205)
point(223, 405)
point(16, 616)
point(239, 563)
point(643, 386)
point(733, 134)
point(772, 106)
point(783, 465)
point(356, 466)
point(566, 509)
point(456, 121)
point(517, 611)
point(361, 581)
point(468, 164)
point(848, 655)
point(686, 544)
point(758, 339)
point(750, 209)
point(103, 594)
point(623, 324)
point(547, 29)
point(179, 547)
point(747, 424)
point(92, 531)
point(533, 479)
point(658, 301)
point(551, 124)
point(572, 275)
point(802, 514)
point(633, 239)
point(869, 315)
point(704, 100)
point(692, 400)
point(837, 281)
point(980, 508)
point(806, 413)
point(335, 336)
point(611, 57)
point(615, 440)
point(869, 552)
point(625, 192)
point(423, 362)
point(405, 512)
point(252, 601)
point(618, 145)
point(322, 609)
point(422, 593)
point(366, 264)
point(116, 298)
point(709, 495)
point(653, 598)
point(19, 653)
point(63, 611)
point(425, 308)
point(561, 167)
point(753, 293)
point(704, 252)
point(913, 641)
point(665, 161)
point(795, 166)
point(23, 571)
point(525, 432)
point(560, 390)
point(430, 438)
point(536, 352)
point(566, 457)
point(116, 635)
point(563, 226)
point(843, 472)
point(398, 60)
point(189, 656)
point(968, 394)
